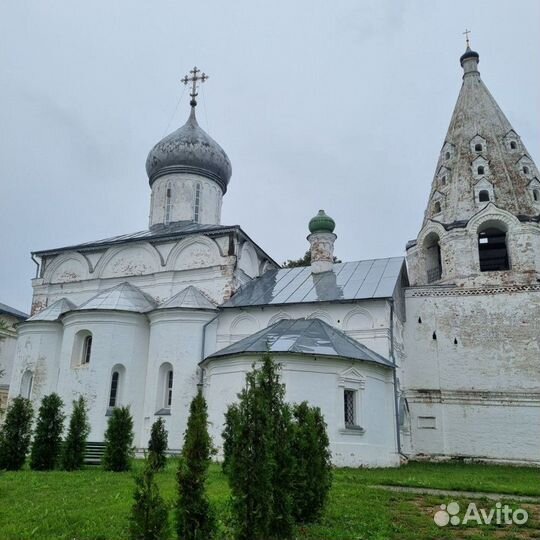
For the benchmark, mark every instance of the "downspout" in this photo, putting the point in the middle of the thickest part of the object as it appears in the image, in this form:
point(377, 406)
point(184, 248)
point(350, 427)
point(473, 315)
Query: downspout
point(396, 397)
point(201, 370)
point(37, 264)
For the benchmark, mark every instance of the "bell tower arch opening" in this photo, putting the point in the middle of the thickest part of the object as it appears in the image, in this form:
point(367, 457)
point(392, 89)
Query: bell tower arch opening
point(432, 257)
point(492, 247)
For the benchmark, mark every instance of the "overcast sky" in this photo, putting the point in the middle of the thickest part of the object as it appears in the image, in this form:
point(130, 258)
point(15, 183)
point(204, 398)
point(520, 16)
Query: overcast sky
point(338, 105)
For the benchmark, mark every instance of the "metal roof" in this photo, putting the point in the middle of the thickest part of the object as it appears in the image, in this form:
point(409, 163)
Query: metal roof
point(172, 231)
point(54, 311)
point(8, 310)
point(376, 278)
point(122, 297)
point(303, 336)
point(191, 298)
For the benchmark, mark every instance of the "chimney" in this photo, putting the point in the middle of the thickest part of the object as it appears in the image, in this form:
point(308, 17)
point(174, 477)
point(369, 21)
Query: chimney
point(322, 240)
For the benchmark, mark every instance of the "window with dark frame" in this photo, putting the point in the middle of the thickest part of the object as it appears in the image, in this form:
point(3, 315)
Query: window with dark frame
point(483, 196)
point(197, 208)
point(168, 390)
point(114, 389)
point(87, 350)
point(349, 401)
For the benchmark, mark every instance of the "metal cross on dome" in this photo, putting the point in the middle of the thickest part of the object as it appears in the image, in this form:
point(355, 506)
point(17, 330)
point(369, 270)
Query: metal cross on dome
point(466, 34)
point(194, 79)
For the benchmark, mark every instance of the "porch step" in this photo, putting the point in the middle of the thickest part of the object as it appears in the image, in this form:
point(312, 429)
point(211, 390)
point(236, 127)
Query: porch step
point(93, 453)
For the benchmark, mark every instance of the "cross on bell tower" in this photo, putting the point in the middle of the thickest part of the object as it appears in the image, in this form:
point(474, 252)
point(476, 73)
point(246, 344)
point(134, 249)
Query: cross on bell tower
point(466, 34)
point(194, 79)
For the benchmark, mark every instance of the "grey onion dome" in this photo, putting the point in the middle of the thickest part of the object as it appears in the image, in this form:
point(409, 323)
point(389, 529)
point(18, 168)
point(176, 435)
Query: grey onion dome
point(189, 149)
point(469, 53)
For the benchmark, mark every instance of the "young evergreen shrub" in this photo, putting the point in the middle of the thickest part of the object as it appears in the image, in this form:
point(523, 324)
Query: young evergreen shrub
point(258, 436)
point(47, 443)
point(15, 434)
point(149, 513)
point(231, 427)
point(312, 472)
point(157, 445)
point(118, 441)
point(75, 443)
point(195, 516)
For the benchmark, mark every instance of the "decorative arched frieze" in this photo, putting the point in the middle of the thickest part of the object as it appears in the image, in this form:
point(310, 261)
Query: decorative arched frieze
point(430, 228)
point(68, 267)
point(244, 324)
point(358, 319)
point(278, 317)
point(248, 261)
point(322, 315)
point(134, 260)
point(491, 214)
point(194, 252)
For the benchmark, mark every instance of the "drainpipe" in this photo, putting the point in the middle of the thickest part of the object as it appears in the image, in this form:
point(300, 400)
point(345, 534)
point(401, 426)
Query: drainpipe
point(392, 357)
point(201, 370)
point(37, 264)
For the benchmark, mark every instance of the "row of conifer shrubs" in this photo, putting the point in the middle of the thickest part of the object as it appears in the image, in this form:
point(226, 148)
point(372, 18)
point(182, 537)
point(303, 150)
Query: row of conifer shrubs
point(276, 459)
point(47, 450)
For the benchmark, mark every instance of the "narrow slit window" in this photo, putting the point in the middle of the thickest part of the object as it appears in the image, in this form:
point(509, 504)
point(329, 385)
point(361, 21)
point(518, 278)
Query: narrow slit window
point(513, 145)
point(168, 389)
point(197, 206)
point(525, 170)
point(437, 207)
point(349, 403)
point(87, 350)
point(536, 195)
point(168, 204)
point(447, 155)
point(113, 396)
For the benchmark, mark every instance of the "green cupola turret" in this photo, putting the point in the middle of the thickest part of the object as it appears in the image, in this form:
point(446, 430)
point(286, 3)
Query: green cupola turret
point(321, 223)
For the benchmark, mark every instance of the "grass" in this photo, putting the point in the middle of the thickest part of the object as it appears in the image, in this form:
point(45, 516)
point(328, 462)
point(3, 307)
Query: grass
point(94, 505)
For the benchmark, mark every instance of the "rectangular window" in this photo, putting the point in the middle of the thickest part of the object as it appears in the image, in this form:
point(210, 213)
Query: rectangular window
point(349, 403)
point(114, 389)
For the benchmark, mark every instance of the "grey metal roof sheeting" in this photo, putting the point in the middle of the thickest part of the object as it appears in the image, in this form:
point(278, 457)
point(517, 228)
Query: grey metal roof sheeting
point(303, 336)
point(191, 298)
point(54, 311)
point(8, 310)
point(122, 297)
point(179, 228)
point(347, 281)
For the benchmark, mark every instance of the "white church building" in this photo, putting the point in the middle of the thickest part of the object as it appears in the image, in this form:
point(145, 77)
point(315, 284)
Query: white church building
point(435, 355)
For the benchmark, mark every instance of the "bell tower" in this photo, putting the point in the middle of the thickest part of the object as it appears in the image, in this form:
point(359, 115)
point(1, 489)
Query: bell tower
point(481, 224)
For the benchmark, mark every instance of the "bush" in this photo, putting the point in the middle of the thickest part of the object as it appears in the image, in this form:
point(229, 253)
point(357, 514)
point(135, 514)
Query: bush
point(48, 436)
point(257, 446)
point(118, 441)
point(15, 434)
point(75, 443)
point(312, 471)
point(149, 513)
point(195, 517)
point(157, 445)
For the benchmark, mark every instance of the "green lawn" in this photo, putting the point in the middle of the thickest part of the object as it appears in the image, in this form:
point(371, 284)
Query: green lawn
point(93, 504)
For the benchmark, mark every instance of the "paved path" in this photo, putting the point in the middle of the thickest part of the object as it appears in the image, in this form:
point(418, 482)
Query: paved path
point(460, 494)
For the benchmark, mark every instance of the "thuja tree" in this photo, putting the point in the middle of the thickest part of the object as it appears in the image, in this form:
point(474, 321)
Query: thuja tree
point(48, 435)
point(195, 517)
point(157, 445)
point(149, 513)
point(75, 443)
point(312, 470)
point(257, 441)
point(15, 434)
point(118, 441)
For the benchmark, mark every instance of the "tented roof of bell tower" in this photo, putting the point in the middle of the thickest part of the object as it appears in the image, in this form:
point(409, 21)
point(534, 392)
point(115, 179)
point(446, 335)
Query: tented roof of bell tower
point(480, 145)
